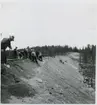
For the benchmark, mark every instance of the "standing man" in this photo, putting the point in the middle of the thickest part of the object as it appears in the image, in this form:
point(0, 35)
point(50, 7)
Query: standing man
point(15, 52)
point(29, 52)
point(6, 42)
point(25, 53)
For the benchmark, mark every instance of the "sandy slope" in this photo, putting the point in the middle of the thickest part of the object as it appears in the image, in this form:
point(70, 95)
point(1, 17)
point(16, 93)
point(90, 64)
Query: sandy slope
point(52, 82)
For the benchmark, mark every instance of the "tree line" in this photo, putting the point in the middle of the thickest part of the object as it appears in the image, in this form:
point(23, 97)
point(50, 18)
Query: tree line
point(56, 50)
point(88, 54)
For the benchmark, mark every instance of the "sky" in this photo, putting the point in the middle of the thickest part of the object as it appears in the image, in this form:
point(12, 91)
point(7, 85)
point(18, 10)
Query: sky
point(49, 22)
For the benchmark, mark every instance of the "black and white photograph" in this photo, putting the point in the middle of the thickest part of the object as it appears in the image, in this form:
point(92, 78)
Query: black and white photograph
point(48, 51)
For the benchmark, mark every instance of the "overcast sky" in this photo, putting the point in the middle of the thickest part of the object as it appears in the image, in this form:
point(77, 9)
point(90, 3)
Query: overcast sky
point(49, 22)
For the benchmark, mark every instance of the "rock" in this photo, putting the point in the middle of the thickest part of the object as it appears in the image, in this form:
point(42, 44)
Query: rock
point(50, 93)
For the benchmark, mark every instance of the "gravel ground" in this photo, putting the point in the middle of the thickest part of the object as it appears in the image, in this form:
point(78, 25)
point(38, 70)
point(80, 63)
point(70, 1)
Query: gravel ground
point(52, 82)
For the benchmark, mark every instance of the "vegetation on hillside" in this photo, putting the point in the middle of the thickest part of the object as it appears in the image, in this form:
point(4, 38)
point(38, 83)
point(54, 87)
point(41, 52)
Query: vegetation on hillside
point(87, 62)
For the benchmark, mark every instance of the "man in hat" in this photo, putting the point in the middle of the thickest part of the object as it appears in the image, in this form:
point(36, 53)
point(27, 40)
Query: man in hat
point(6, 42)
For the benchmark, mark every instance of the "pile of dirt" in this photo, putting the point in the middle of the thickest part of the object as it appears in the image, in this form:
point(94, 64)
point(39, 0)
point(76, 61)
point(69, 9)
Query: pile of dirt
point(21, 90)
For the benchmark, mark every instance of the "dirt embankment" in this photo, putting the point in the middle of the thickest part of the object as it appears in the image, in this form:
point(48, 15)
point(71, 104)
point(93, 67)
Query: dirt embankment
point(52, 82)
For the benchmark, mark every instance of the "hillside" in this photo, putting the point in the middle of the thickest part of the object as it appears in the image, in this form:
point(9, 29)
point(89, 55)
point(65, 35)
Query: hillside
point(55, 81)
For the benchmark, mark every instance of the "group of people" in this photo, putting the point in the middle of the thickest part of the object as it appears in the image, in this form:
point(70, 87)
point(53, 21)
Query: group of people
point(25, 53)
point(28, 53)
